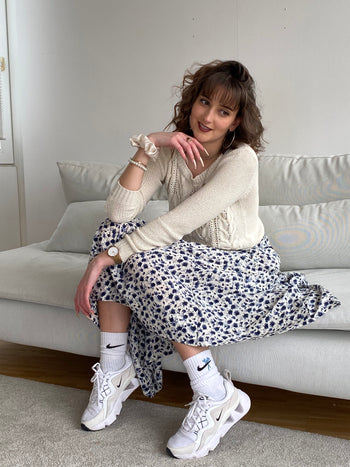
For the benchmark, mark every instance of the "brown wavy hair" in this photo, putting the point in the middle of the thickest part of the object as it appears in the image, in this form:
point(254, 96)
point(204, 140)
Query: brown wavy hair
point(232, 83)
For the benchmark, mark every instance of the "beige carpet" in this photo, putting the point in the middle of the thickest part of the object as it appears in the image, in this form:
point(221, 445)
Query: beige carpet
point(40, 426)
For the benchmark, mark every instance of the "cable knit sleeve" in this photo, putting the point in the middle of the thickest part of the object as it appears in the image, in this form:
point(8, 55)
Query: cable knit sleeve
point(123, 205)
point(231, 181)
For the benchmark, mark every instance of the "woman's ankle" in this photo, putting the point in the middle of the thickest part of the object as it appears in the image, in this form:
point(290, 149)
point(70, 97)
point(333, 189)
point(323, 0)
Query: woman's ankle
point(204, 375)
point(113, 350)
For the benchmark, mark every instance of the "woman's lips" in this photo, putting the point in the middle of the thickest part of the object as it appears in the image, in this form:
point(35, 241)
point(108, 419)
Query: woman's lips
point(203, 127)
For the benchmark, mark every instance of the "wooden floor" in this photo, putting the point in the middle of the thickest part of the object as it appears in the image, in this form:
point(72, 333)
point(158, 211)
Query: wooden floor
point(316, 414)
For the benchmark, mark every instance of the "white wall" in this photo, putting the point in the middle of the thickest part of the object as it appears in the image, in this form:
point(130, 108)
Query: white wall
point(88, 74)
point(298, 52)
point(9, 224)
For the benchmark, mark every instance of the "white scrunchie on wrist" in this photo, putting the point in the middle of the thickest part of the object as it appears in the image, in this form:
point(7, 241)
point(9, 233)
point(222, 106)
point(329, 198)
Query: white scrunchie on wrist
point(141, 141)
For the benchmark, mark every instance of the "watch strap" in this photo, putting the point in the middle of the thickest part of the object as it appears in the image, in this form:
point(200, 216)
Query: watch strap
point(117, 259)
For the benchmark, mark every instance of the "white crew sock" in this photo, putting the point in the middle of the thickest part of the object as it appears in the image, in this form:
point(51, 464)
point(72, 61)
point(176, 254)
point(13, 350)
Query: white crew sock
point(113, 350)
point(204, 375)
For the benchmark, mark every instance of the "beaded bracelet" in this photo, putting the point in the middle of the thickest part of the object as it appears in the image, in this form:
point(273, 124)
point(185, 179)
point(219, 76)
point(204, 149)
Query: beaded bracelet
point(141, 141)
point(139, 165)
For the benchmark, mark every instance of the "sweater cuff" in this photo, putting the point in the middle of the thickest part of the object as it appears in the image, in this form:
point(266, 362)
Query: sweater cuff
point(125, 251)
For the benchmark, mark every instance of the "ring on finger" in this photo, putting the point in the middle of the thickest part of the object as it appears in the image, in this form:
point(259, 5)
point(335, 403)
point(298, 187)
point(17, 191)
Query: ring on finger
point(188, 139)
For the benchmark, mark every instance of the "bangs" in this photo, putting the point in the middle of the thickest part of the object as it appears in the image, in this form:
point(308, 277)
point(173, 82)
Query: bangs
point(222, 87)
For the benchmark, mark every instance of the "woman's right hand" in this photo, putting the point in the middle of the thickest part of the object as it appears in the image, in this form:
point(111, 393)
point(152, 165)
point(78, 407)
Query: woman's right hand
point(184, 144)
point(92, 272)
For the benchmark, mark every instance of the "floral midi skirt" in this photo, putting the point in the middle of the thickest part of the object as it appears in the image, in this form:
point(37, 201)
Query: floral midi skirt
point(202, 296)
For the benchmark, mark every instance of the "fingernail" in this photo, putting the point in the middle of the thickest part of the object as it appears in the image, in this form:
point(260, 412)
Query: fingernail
point(201, 161)
point(194, 163)
point(207, 153)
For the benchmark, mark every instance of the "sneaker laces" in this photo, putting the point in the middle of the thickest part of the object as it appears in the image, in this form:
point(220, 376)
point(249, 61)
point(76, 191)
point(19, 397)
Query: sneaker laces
point(196, 419)
point(101, 387)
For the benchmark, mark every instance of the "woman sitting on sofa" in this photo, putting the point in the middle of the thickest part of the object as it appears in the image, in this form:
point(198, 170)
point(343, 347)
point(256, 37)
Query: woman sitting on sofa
point(203, 274)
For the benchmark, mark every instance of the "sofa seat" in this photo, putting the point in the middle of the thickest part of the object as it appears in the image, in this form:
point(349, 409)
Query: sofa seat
point(32, 274)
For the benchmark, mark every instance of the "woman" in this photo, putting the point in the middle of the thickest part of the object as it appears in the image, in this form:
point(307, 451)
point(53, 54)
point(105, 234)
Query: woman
point(202, 275)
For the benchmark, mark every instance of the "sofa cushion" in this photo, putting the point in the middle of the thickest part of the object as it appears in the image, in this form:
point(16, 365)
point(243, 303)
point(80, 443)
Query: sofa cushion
point(80, 221)
point(309, 236)
point(283, 179)
point(31, 274)
point(34, 275)
point(91, 181)
point(303, 179)
point(77, 227)
point(87, 181)
point(337, 281)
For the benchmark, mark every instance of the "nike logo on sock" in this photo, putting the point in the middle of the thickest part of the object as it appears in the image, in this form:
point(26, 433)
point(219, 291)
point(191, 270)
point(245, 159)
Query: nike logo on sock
point(200, 368)
point(109, 346)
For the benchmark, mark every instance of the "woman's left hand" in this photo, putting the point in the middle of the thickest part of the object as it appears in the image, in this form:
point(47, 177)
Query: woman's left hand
point(92, 272)
point(184, 144)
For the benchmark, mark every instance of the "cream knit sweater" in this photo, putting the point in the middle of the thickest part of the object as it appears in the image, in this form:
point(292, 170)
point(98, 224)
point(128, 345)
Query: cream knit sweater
point(219, 207)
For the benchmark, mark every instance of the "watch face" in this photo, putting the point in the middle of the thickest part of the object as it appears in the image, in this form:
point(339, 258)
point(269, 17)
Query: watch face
point(113, 251)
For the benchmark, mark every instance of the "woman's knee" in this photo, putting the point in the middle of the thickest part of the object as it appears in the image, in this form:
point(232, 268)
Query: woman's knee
point(142, 268)
point(110, 232)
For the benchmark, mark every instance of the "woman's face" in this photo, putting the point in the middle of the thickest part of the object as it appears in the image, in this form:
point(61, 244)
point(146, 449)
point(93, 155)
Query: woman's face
point(210, 120)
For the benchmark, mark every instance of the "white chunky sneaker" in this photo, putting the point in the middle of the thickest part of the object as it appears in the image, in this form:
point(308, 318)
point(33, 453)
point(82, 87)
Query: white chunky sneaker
point(110, 390)
point(207, 421)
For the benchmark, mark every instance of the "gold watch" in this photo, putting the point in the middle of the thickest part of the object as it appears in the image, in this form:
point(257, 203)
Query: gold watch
point(113, 252)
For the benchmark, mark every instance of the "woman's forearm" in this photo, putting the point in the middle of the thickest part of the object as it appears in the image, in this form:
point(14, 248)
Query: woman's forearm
point(132, 177)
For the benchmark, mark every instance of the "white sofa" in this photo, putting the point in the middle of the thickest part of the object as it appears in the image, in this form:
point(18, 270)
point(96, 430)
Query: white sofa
point(305, 206)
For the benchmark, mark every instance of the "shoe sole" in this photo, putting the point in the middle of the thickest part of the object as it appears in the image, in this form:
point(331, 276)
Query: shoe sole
point(115, 411)
point(238, 413)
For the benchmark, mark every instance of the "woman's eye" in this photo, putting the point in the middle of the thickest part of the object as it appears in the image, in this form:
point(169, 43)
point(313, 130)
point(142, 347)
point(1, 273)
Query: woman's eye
point(204, 101)
point(225, 113)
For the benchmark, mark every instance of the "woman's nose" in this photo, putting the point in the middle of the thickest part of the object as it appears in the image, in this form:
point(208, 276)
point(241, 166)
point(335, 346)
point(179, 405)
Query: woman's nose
point(208, 115)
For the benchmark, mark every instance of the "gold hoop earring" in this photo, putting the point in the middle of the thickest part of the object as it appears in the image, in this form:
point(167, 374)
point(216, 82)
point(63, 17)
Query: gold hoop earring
point(225, 145)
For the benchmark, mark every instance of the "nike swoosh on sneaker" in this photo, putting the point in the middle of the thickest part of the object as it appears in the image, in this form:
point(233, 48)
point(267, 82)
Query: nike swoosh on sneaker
point(109, 346)
point(218, 418)
point(120, 382)
point(199, 368)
